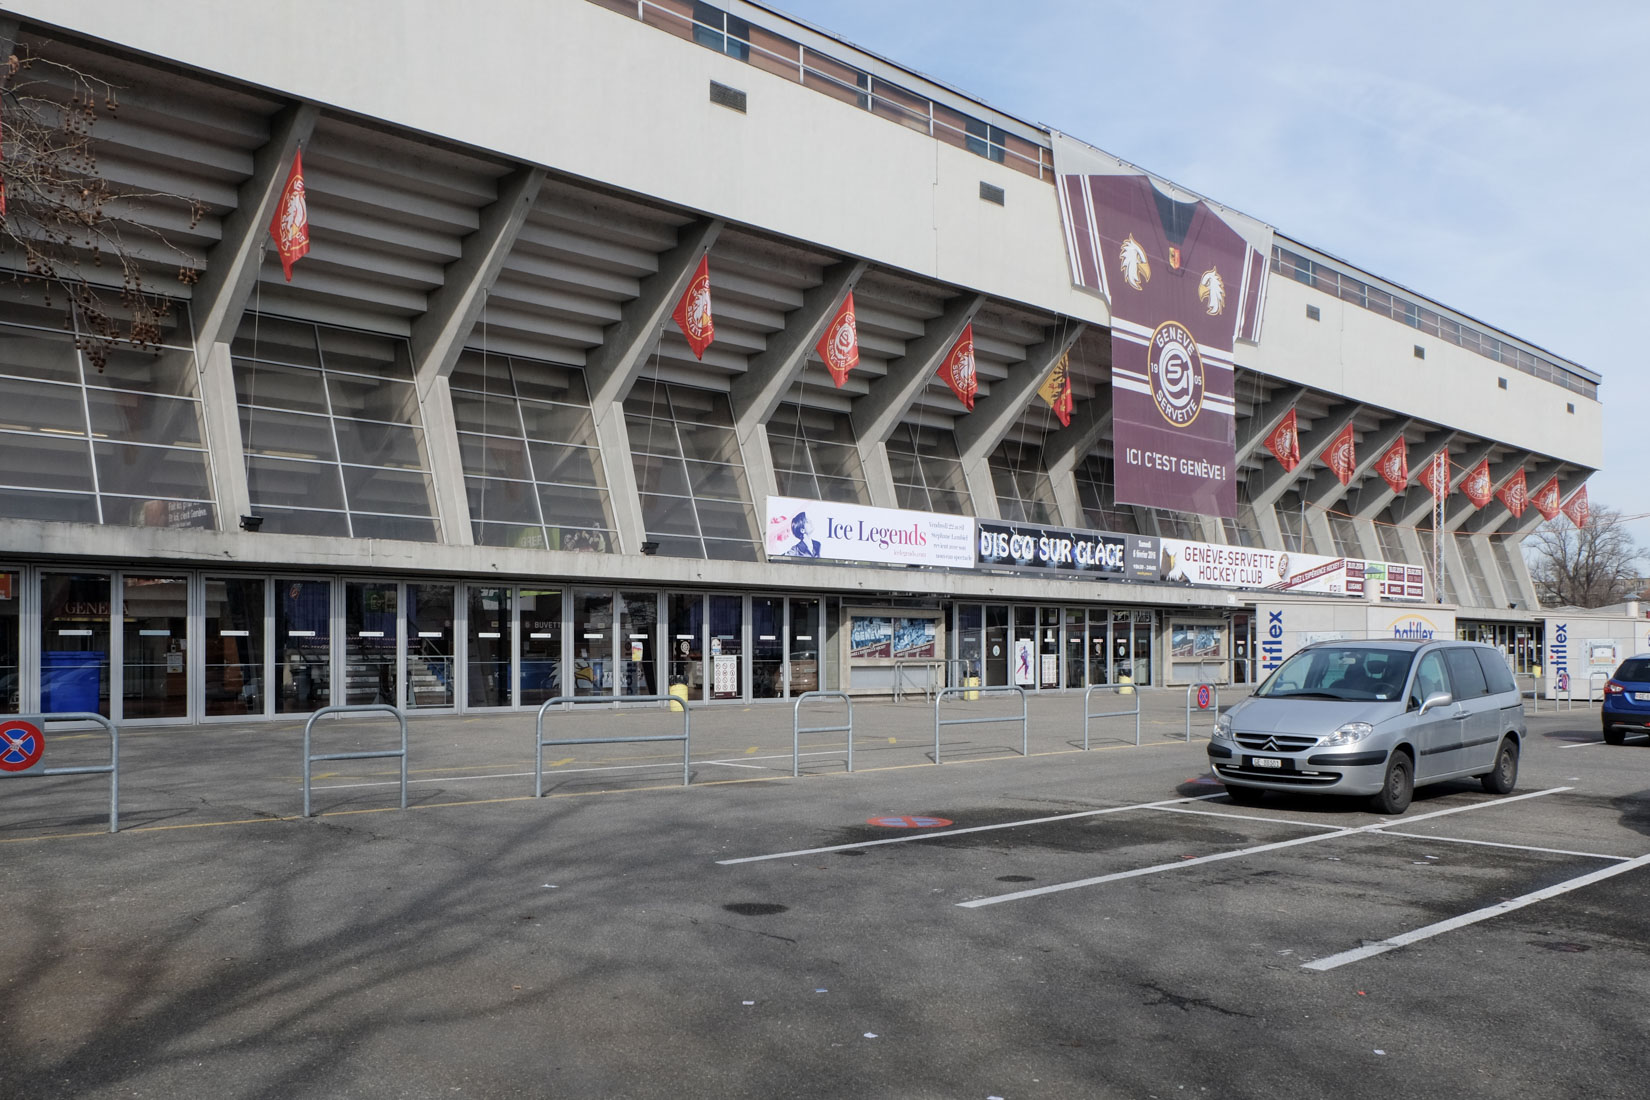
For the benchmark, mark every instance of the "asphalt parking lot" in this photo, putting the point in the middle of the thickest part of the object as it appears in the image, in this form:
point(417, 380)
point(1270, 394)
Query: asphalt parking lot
point(1089, 924)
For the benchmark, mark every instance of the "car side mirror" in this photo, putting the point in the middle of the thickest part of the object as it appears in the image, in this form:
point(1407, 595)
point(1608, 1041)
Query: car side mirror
point(1437, 699)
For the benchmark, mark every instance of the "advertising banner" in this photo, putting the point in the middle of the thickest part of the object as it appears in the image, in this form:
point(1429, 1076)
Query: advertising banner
point(856, 532)
point(1020, 546)
point(1211, 565)
point(1185, 280)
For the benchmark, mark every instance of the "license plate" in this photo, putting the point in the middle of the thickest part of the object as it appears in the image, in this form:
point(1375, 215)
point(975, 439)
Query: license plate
point(1265, 762)
point(1642, 696)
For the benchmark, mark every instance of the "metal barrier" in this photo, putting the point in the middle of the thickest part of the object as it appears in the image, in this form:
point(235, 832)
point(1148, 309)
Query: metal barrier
point(1603, 678)
point(15, 751)
point(1213, 703)
point(540, 742)
point(1025, 726)
point(928, 686)
point(358, 708)
point(797, 731)
point(1115, 689)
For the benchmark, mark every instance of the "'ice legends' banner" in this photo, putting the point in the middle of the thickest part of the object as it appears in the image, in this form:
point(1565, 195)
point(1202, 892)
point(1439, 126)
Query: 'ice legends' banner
point(1185, 280)
point(1206, 564)
point(856, 532)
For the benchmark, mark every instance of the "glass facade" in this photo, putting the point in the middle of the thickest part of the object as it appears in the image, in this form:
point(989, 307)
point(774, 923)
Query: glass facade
point(1024, 492)
point(1097, 494)
point(690, 473)
point(927, 469)
point(814, 455)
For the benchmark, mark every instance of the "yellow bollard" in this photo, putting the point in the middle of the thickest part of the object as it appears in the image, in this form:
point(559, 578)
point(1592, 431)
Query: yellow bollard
point(1125, 684)
point(680, 691)
point(973, 682)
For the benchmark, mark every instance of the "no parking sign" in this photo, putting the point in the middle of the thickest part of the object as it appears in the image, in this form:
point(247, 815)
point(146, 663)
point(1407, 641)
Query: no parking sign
point(1203, 697)
point(22, 746)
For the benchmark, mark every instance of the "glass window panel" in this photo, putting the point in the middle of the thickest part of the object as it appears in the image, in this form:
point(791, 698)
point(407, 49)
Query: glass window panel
point(668, 515)
point(302, 484)
point(485, 374)
point(365, 353)
point(41, 407)
point(570, 465)
point(843, 491)
point(836, 461)
point(661, 475)
point(728, 550)
point(801, 484)
point(905, 468)
point(45, 462)
point(169, 371)
point(287, 435)
point(914, 497)
point(651, 436)
point(709, 442)
point(405, 492)
point(541, 381)
point(495, 501)
point(729, 519)
point(234, 646)
point(276, 339)
point(520, 536)
point(691, 406)
point(373, 398)
point(648, 398)
point(406, 528)
point(711, 479)
point(47, 507)
point(678, 547)
point(494, 456)
point(138, 418)
point(580, 540)
point(494, 414)
point(275, 386)
point(298, 521)
point(559, 423)
point(152, 471)
point(565, 506)
point(371, 444)
point(949, 503)
point(40, 355)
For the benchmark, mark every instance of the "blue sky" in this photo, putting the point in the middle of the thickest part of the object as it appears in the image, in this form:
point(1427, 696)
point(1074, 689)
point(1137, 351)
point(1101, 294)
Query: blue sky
point(1492, 156)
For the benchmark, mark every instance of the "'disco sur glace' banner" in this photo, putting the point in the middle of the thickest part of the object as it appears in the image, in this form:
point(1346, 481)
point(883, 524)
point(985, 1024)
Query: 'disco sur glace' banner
point(1185, 279)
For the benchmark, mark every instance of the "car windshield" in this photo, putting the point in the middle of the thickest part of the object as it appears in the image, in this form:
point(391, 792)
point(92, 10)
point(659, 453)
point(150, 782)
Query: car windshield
point(1337, 672)
point(1635, 670)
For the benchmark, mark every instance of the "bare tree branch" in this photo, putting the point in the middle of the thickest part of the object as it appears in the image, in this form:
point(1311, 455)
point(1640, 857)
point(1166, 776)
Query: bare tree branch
point(1592, 566)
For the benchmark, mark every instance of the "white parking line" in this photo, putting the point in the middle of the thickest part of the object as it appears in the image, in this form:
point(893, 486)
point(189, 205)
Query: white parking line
point(1498, 844)
point(1246, 817)
point(1159, 868)
point(935, 833)
point(1372, 949)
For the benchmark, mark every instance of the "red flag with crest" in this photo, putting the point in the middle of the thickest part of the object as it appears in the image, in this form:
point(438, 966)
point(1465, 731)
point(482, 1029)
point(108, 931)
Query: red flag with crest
point(1342, 456)
point(290, 226)
point(1436, 476)
point(1546, 498)
point(1576, 507)
point(839, 347)
point(1515, 494)
point(1285, 442)
point(958, 369)
point(1477, 484)
point(1056, 390)
point(1394, 465)
point(692, 313)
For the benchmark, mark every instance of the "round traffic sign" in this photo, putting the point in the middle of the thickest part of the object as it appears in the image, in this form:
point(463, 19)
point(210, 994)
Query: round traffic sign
point(1203, 697)
point(892, 822)
point(21, 746)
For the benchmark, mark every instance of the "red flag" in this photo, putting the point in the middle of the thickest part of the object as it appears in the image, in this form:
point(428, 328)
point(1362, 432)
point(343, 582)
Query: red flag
point(1477, 484)
point(290, 226)
point(1546, 499)
point(839, 347)
point(1342, 456)
point(958, 369)
point(1515, 495)
point(1285, 442)
point(1394, 465)
point(1436, 476)
point(1576, 507)
point(1056, 390)
point(692, 314)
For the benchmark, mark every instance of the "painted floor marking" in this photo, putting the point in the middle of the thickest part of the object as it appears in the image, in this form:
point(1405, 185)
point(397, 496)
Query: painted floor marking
point(1499, 844)
point(958, 832)
point(1369, 950)
point(1217, 857)
point(1245, 817)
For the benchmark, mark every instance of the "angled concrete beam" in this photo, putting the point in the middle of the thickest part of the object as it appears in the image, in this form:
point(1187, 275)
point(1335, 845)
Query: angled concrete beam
point(1275, 480)
point(1252, 433)
point(996, 413)
point(1417, 502)
point(879, 475)
point(439, 333)
point(1090, 423)
point(879, 410)
point(1421, 455)
point(758, 392)
point(610, 369)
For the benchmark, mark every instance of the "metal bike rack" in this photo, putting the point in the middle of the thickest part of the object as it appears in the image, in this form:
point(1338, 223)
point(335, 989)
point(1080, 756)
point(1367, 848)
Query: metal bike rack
point(797, 730)
point(1025, 734)
point(112, 767)
point(928, 684)
point(1214, 703)
point(384, 754)
point(540, 742)
point(1115, 689)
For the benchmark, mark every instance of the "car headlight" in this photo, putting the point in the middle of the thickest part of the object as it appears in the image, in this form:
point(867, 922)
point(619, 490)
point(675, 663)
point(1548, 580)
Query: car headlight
point(1349, 734)
point(1223, 727)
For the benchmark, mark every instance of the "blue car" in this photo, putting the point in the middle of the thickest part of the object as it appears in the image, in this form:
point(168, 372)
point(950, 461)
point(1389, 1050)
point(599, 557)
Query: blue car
point(1627, 700)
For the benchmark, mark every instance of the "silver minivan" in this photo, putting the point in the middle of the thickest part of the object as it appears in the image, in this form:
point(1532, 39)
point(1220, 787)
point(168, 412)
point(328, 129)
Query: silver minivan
point(1375, 718)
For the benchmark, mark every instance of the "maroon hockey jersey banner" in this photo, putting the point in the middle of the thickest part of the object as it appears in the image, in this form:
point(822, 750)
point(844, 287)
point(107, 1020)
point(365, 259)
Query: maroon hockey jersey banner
point(1342, 456)
point(1546, 499)
point(1285, 442)
point(1514, 494)
point(1394, 465)
point(1185, 281)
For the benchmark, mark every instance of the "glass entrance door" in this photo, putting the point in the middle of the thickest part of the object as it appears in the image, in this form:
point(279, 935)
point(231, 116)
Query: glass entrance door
point(1099, 648)
point(1048, 647)
point(371, 642)
point(970, 641)
point(541, 646)
point(303, 645)
point(429, 645)
point(154, 638)
point(234, 644)
point(11, 641)
point(767, 647)
point(1122, 639)
point(1143, 625)
point(727, 633)
point(687, 640)
point(998, 657)
point(803, 672)
point(488, 638)
point(593, 643)
point(74, 643)
point(639, 641)
point(1076, 647)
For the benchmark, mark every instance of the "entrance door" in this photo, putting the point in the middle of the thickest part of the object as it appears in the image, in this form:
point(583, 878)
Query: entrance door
point(1076, 646)
point(1142, 647)
point(154, 656)
point(1048, 647)
point(541, 646)
point(371, 642)
point(767, 647)
point(727, 631)
point(970, 640)
point(489, 634)
point(593, 643)
point(430, 643)
point(1242, 646)
point(303, 645)
point(998, 656)
point(639, 640)
point(11, 641)
point(804, 647)
point(1099, 648)
point(74, 643)
point(1122, 639)
point(234, 644)
point(687, 642)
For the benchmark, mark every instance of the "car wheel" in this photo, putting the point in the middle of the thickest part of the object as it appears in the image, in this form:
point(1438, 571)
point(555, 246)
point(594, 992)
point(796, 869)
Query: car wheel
point(1397, 788)
point(1245, 796)
point(1505, 776)
point(1614, 735)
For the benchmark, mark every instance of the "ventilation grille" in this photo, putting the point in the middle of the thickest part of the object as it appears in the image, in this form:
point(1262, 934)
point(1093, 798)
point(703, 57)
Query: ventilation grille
point(991, 193)
point(1312, 313)
point(731, 98)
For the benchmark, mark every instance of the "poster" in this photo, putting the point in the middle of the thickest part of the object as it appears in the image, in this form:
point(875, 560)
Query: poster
point(1204, 564)
point(1025, 651)
point(725, 676)
point(871, 637)
point(1022, 546)
point(914, 637)
point(826, 530)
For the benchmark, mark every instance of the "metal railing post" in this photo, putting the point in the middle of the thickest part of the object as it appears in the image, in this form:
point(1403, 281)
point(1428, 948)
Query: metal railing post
point(357, 708)
point(1115, 689)
point(1214, 703)
point(1024, 718)
point(539, 743)
point(112, 768)
point(797, 731)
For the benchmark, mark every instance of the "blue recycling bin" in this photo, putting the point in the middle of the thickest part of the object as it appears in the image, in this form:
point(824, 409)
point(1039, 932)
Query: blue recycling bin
point(70, 679)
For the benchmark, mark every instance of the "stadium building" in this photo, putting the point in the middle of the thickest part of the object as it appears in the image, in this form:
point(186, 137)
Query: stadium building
point(978, 399)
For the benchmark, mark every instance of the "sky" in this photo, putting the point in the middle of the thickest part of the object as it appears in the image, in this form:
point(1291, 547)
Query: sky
point(1489, 154)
